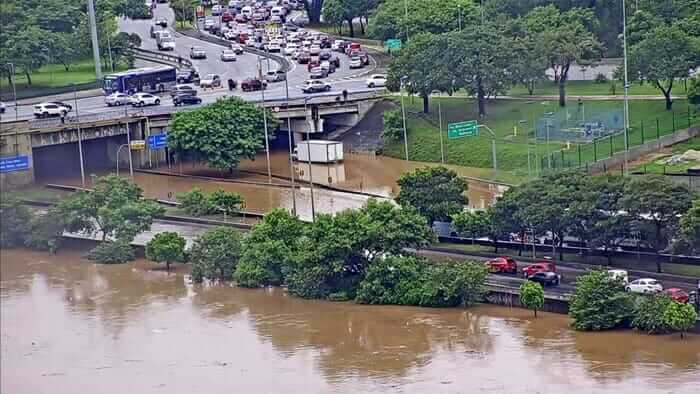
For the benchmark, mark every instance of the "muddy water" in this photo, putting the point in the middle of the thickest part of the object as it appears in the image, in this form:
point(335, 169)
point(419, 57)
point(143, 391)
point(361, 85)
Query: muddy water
point(71, 326)
point(369, 175)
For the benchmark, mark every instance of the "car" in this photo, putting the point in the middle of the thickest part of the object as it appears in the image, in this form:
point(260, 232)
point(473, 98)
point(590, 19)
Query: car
point(362, 55)
point(209, 23)
point(324, 55)
point(154, 29)
point(181, 89)
point(502, 265)
point(44, 110)
point(541, 266)
point(3, 108)
point(230, 35)
point(546, 278)
point(273, 47)
point(290, 49)
point(187, 76)
point(275, 19)
point(253, 84)
point(312, 64)
point(338, 46)
point(644, 285)
point(356, 62)
point(116, 98)
point(68, 107)
point(315, 49)
point(166, 44)
point(237, 49)
point(290, 27)
point(303, 58)
point(228, 55)
point(186, 99)
point(216, 10)
point(619, 274)
point(162, 22)
point(240, 18)
point(275, 76)
point(141, 99)
point(376, 80)
point(197, 53)
point(210, 81)
point(226, 17)
point(677, 295)
point(328, 66)
point(315, 86)
point(318, 72)
point(335, 60)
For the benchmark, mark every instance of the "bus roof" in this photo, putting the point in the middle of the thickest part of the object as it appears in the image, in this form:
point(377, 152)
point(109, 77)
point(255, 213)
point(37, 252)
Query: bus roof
point(143, 70)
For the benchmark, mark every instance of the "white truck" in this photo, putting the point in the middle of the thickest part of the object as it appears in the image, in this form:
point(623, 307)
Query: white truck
point(319, 151)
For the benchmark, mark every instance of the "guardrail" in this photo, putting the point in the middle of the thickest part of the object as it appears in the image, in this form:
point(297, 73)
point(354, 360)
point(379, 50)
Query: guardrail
point(161, 57)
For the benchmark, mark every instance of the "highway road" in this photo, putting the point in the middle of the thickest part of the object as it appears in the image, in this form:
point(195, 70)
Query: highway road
point(245, 66)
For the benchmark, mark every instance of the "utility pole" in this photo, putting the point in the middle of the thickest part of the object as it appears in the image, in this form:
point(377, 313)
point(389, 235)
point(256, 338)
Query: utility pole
point(442, 146)
point(627, 85)
point(403, 112)
point(80, 139)
point(267, 140)
point(405, 5)
point(93, 36)
point(289, 136)
point(308, 152)
point(11, 70)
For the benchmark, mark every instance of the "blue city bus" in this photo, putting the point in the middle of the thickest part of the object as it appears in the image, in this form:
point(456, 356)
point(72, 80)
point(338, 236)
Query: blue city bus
point(147, 79)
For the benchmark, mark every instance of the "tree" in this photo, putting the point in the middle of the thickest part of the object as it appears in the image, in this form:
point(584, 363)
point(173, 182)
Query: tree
point(195, 203)
point(688, 238)
point(63, 49)
point(184, 10)
point(168, 247)
point(663, 56)
point(599, 302)
point(436, 192)
point(528, 62)
point(694, 91)
point(117, 252)
point(473, 224)
point(26, 49)
point(15, 219)
point(532, 296)
point(221, 133)
point(225, 202)
point(680, 317)
point(648, 315)
point(655, 200)
point(122, 46)
point(567, 38)
point(313, 9)
point(393, 125)
point(339, 11)
point(427, 16)
point(215, 254)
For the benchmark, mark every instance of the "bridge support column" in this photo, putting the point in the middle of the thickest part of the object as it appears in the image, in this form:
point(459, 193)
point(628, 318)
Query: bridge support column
point(16, 150)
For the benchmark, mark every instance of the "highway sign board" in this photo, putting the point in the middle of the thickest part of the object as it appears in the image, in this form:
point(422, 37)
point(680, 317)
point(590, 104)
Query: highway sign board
point(393, 44)
point(137, 145)
point(157, 141)
point(14, 163)
point(462, 129)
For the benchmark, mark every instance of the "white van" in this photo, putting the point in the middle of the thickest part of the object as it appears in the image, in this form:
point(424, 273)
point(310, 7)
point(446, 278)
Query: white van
point(247, 11)
point(278, 11)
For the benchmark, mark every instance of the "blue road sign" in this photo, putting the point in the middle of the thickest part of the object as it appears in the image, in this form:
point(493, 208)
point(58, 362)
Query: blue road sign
point(14, 163)
point(157, 141)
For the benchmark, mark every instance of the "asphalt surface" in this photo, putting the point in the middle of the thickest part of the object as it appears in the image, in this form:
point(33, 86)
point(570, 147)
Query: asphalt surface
point(245, 66)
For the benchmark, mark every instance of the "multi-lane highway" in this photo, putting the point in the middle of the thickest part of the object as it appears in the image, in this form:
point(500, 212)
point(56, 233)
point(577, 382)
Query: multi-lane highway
point(245, 66)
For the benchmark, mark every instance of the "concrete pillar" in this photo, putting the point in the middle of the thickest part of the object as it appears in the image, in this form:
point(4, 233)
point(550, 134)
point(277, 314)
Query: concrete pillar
point(12, 145)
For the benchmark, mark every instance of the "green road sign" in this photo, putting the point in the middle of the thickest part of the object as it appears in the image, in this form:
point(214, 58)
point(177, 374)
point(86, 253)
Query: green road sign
point(462, 129)
point(393, 44)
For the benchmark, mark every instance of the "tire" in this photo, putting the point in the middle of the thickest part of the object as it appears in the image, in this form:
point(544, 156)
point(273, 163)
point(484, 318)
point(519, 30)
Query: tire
point(371, 85)
point(109, 105)
point(157, 101)
point(141, 103)
point(327, 88)
point(45, 115)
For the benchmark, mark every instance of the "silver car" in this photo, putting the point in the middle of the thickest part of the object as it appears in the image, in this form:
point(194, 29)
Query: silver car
point(117, 98)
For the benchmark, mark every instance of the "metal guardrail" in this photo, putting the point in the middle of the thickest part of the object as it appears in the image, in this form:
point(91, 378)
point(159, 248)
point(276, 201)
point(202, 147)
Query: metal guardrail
point(161, 57)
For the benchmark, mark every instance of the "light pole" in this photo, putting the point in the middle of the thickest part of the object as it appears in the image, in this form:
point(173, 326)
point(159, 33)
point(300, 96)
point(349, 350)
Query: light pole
point(93, 37)
point(308, 152)
point(80, 139)
point(627, 86)
point(267, 140)
point(403, 112)
point(442, 146)
point(131, 168)
point(460, 16)
point(289, 135)
point(11, 68)
point(405, 5)
point(493, 146)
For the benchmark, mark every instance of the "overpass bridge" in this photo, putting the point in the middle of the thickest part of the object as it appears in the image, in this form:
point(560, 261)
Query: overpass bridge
point(37, 148)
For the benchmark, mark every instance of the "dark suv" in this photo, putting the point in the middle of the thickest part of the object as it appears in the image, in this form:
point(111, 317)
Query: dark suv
point(252, 84)
point(186, 98)
point(187, 76)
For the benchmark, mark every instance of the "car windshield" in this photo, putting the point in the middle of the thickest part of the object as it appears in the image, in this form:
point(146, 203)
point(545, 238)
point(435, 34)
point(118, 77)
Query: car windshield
point(198, 49)
point(210, 76)
point(652, 282)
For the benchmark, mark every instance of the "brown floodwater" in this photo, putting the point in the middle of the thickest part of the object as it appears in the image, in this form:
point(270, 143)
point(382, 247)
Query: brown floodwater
point(369, 175)
point(69, 326)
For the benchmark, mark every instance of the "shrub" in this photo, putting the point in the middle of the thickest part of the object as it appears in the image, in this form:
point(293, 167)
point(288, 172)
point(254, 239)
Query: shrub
point(46, 232)
point(599, 302)
point(680, 317)
point(195, 203)
point(694, 90)
point(393, 125)
point(15, 220)
point(532, 295)
point(117, 252)
point(600, 78)
point(167, 247)
point(215, 254)
point(648, 315)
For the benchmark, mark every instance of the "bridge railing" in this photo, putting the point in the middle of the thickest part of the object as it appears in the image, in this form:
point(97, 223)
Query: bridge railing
point(161, 57)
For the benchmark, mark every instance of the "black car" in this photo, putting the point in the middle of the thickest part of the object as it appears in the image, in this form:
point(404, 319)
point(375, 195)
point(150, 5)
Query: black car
point(187, 76)
point(186, 99)
point(546, 278)
point(162, 22)
point(325, 55)
point(290, 27)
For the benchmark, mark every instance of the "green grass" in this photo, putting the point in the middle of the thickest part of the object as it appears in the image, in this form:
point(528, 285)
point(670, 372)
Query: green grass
point(511, 121)
point(591, 88)
point(653, 166)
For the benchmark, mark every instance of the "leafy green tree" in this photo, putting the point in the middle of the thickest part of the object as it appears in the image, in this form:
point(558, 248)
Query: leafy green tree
point(436, 192)
point(393, 125)
point(225, 202)
point(648, 314)
point(680, 317)
point(529, 64)
point(472, 224)
point(168, 247)
point(599, 302)
point(687, 240)
point(640, 24)
point(269, 249)
point(694, 91)
point(427, 16)
point(46, 231)
point(215, 254)
point(184, 10)
point(532, 296)
point(338, 12)
point(195, 203)
point(63, 49)
point(567, 38)
point(15, 219)
point(117, 252)
point(26, 49)
point(663, 56)
point(221, 133)
point(122, 45)
point(655, 200)
point(313, 9)
point(454, 284)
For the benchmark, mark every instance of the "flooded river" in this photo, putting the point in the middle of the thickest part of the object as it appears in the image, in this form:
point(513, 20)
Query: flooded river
point(353, 181)
point(69, 326)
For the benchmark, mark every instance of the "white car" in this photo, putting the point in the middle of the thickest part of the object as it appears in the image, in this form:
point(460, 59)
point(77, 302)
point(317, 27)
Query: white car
point(3, 108)
point(237, 49)
point(208, 23)
point(166, 44)
point(116, 98)
point(356, 62)
point(315, 49)
point(230, 35)
point(336, 45)
point(273, 47)
point(315, 86)
point(216, 10)
point(619, 274)
point(644, 285)
point(290, 49)
point(228, 55)
point(210, 81)
point(376, 81)
point(141, 99)
point(44, 110)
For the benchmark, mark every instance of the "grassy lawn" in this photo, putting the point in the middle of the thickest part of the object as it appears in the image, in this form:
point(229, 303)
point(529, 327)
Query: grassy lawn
point(512, 121)
point(591, 88)
point(653, 166)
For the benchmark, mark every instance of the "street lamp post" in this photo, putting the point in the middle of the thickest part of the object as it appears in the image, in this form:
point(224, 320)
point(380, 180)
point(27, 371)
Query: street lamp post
point(460, 16)
point(405, 5)
point(289, 135)
point(308, 152)
point(11, 67)
point(627, 86)
point(442, 145)
point(267, 140)
point(403, 113)
point(80, 139)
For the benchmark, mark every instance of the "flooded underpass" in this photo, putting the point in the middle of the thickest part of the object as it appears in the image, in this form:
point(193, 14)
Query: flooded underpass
point(71, 326)
point(339, 186)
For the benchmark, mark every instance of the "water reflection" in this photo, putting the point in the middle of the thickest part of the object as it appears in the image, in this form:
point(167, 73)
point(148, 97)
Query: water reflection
point(72, 324)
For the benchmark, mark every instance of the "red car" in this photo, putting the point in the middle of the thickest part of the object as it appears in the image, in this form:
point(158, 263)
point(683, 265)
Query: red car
point(677, 295)
point(502, 264)
point(226, 17)
point(313, 63)
point(540, 266)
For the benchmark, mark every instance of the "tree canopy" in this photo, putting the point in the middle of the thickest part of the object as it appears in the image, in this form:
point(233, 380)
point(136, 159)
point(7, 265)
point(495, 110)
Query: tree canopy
point(215, 254)
point(436, 192)
point(167, 247)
